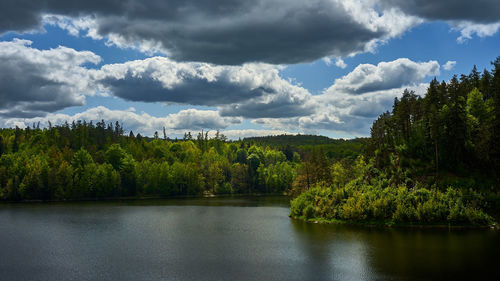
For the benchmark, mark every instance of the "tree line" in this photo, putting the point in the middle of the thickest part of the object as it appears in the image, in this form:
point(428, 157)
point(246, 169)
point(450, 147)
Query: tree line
point(453, 131)
point(85, 160)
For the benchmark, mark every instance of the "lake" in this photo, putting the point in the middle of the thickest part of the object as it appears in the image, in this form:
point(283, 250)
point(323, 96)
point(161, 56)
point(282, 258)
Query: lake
point(226, 239)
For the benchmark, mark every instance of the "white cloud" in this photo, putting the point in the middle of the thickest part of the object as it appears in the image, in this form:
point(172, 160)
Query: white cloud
point(352, 103)
point(468, 29)
point(199, 119)
point(343, 112)
point(74, 26)
point(386, 75)
point(449, 65)
point(176, 123)
point(390, 20)
point(340, 63)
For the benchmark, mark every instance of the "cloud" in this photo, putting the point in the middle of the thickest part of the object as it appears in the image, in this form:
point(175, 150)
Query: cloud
point(220, 31)
point(161, 79)
point(479, 11)
point(34, 82)
point(236, 134)
point(339, 62)
point(250, 90)
point(383, 76)
point(468, 29)
point(292, 101)
point(199, 119)
point(449, 65)
point(352, 103)
point(176, 123)
point(480, 17)
point(343, 113)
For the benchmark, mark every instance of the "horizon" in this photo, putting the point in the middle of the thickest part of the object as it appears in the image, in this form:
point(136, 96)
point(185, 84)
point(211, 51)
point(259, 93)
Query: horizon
point(211, 133)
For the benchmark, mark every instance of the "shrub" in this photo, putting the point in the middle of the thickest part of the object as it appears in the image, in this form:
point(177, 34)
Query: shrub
point(369, 203)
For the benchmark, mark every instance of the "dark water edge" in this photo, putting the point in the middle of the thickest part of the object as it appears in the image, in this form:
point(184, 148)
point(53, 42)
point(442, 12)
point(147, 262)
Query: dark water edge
point(236, 238)
point(181, 200)
point(125, 199)
point(390, 224)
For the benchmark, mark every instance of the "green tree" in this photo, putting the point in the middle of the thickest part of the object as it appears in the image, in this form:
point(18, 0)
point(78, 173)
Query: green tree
point(240, 178)
point(107, 181)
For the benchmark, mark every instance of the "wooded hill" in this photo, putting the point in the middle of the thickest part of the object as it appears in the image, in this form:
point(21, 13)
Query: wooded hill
point(334, 149)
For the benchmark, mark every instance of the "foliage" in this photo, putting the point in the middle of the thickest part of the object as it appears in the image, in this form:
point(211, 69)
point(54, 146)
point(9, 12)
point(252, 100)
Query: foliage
point(334, 149)
point(369, 199)
point(82, 160)
point(453, 131)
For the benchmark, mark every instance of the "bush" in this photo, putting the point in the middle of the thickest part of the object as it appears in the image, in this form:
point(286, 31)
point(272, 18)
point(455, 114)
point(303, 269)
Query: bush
point(224, 188)
point(368, 203)
point(309, 212)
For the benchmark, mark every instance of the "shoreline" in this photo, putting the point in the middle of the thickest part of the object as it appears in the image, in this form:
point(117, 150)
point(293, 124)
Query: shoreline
point(381, 224)
point(136, 198)
point(388, 224)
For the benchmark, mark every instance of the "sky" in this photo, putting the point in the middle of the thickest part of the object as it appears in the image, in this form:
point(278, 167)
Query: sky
point(244, 67)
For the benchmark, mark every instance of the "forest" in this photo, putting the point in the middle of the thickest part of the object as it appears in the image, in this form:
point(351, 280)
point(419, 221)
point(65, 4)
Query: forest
point(432, 159)
point(90, 161)
point(85, 161)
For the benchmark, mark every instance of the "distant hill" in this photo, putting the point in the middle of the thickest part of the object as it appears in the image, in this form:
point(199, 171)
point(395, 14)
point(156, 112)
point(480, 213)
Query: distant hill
point(334, 148)
point(290, 140)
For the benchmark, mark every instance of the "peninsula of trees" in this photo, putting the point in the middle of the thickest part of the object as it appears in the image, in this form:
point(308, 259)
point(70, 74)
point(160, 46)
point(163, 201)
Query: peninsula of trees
point(432, 159)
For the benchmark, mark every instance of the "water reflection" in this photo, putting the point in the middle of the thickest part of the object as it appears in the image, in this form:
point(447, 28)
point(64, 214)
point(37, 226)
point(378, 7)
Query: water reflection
point(424, 254)
point(378, 253)
point(225, 239)
point(337, 252)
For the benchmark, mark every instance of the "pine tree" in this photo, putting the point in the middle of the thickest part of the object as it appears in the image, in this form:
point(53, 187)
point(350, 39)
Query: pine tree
point(485, 85)
point(474, 77)
point(496, 113)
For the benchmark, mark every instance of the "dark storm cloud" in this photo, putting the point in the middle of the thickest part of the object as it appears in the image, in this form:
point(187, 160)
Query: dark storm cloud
point(24, 93)
point(479, 11)
point(191, 91)
point(34, 82)
point(217, 31)
point(278, 107)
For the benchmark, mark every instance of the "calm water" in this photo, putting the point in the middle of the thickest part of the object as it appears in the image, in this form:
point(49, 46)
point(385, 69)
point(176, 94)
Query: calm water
point(226, 239)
